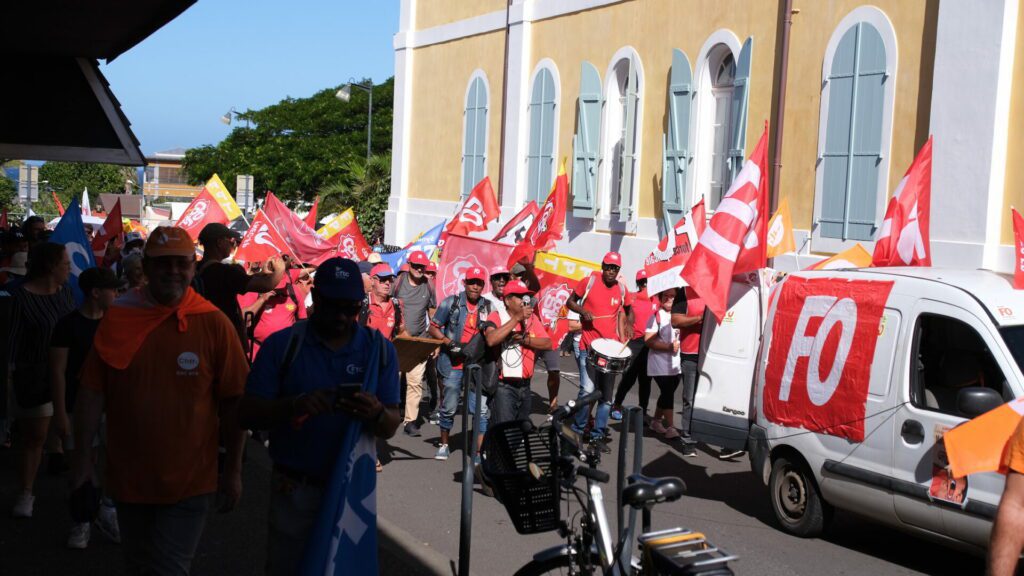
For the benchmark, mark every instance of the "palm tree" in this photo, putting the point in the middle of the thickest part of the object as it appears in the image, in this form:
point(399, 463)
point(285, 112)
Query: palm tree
point(365, 188)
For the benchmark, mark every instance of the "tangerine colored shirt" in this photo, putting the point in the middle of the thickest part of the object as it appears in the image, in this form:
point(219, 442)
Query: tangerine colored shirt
point(604, 303)
point(162, 409)
point(382, 317)
point(277, 313)
point(1015, 452)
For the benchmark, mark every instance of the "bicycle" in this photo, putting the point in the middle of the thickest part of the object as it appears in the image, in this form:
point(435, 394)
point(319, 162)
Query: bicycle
point(530, 468)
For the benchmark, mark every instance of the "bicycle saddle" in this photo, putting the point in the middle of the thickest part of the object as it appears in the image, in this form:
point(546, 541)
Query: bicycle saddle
point(644, 490)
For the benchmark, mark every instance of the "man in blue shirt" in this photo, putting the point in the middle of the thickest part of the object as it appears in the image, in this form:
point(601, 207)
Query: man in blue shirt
point(297, 390)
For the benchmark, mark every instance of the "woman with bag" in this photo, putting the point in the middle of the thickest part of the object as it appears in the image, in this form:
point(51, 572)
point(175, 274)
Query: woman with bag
point(664, 366)
point(43, 299)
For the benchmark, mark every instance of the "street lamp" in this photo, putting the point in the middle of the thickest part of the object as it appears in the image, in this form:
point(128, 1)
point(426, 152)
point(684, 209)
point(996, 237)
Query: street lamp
point(345, 94)
point(227, 117)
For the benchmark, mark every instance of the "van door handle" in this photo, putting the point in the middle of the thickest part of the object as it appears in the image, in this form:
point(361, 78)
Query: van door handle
point(912, 432)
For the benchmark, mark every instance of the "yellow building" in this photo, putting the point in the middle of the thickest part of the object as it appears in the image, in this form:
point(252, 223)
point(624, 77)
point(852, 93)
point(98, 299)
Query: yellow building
point(655, 103)
point(165, 178)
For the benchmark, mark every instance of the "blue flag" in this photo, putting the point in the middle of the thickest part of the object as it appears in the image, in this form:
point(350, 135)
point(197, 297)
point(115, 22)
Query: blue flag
point(70, 232)
point(344, 540)
point(427, 242)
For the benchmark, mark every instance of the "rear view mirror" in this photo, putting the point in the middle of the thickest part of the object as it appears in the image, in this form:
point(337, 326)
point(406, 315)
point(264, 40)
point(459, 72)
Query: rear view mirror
point(976, 400)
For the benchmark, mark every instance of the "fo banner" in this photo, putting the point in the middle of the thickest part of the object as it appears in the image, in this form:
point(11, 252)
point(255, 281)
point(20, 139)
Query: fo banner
point(460, 254)
point(558, 275)
point(823, 343)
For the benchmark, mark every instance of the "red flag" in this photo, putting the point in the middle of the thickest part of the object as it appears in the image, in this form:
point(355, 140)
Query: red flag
point(462, 253)
point(203, 210)
point(548, 227)
point(351, 243)
point(478, 210)
point(735, 239)
point(1018, 261)
point(112, 227)
point(56, 200)
point(305, 243)
point(558, 275)
point(261, 241)
point(311, 217)
point(516, 228)
point(664, 265)
point(904, 237)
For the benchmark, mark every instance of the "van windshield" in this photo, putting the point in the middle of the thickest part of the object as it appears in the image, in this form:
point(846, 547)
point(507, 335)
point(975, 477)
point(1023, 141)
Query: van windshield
point(1014, 338)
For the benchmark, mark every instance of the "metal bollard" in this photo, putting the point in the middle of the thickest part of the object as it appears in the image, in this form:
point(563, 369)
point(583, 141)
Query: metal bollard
point(469, 445)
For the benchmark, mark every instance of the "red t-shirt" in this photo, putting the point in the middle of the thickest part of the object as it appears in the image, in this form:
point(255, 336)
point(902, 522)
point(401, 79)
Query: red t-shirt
point(382, 316)
point(690, 336)
point(604, 303)
point(511, 358)
point(469, 328)
point(278, 313)
point(643, 308)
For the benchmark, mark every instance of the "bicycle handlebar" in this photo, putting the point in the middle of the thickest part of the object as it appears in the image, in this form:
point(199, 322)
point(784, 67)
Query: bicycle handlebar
point(594, 474)
point(572, 407)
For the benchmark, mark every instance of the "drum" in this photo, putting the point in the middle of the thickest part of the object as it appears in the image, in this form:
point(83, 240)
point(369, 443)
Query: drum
point(608, 356)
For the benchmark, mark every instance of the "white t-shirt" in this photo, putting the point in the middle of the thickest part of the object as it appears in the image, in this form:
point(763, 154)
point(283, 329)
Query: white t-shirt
point(497, 304)
point(661, 363)
point(570, 316)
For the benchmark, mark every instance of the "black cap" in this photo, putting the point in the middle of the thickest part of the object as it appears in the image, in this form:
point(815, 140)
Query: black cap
point(215, 231)
point(339, 279)
point(98, 278)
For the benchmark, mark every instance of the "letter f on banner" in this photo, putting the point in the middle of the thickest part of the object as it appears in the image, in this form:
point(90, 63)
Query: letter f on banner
point(904, 238)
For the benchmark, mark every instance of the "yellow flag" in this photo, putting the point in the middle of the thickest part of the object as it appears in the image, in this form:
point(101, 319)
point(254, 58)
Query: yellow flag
point(856, 257)
point(216, 189)
point(336, 224)
point(780, 231)
point(564, 266)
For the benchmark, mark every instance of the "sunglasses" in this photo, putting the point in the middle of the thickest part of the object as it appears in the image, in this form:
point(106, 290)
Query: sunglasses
point(500, 278)
point(386, 279)
point(474, 282)
point(345, 307)
point(419, 267)
point(610, 267)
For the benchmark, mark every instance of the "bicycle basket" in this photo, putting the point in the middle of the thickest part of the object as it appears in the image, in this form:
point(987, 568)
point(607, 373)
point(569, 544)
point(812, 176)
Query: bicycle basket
point(517, 460)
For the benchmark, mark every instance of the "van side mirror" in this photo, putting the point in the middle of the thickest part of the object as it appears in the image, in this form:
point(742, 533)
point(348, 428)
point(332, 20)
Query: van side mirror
point(976, 400)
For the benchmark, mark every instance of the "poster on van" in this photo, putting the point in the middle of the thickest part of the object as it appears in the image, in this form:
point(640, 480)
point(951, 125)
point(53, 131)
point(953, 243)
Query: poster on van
point(823, 342)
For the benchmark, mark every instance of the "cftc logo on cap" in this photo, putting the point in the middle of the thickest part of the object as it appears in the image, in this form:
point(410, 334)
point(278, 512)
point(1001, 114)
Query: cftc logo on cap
point(341, 274)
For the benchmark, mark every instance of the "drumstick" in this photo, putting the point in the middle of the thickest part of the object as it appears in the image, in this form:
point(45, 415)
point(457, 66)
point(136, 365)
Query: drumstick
point(624, 346)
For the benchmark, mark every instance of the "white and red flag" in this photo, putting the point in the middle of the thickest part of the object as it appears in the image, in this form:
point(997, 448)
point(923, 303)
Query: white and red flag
point(558, 274)
point(351, 243)
point(478, 210)
point(735, 239)
point(548, 226)
point(903, 239)
point(112, 227)
point(203, 210)
point(463, 253)
point(664, 265)
point(310, 218)
point(262, 241)
point(515, 229)
point(305, 243)
point(1018, 255)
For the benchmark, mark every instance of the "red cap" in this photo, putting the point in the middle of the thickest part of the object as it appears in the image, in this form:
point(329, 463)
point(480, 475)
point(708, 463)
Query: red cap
point(499, 269)
point(613, 258)
point(517, 288)
point(404, 267)
point(419, 258)
point(432, 268)
point(475, 273)
point(382, 271)
point(641, 274)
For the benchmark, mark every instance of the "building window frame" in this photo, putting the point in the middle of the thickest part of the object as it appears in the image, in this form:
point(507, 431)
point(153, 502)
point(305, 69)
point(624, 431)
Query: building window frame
point(548, 65)
point(477, 75)
point(612, 131)
point(719, 44)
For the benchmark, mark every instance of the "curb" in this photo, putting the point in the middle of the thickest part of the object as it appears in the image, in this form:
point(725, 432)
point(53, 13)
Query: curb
point(412, 551)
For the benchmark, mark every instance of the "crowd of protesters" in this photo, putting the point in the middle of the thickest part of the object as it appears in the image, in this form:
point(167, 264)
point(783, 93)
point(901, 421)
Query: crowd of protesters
point(222, 348)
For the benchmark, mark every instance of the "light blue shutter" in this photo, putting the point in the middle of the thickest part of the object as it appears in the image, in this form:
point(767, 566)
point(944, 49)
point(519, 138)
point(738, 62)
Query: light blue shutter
point(676, 143)
point(540, 159)
point(853, 137)
point(586, 143)
point(475, 139)
point(627, 162)
point(738, 116)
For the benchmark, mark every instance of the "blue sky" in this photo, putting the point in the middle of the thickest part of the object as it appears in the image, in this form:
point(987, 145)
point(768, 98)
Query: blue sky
point(175, 85)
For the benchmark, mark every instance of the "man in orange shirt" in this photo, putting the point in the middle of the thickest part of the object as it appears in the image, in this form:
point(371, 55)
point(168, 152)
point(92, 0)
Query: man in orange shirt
point(380, 310)
point(168, 368)
point(1008, 531)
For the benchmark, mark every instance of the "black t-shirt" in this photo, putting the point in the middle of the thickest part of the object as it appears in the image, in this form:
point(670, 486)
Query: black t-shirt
point(74, 332)
point(679, 305)
point(221, 284)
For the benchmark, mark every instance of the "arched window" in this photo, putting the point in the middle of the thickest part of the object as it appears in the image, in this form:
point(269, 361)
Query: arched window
point(540, 156)
point(474, 141)
point(855, 130)
point(620, 149)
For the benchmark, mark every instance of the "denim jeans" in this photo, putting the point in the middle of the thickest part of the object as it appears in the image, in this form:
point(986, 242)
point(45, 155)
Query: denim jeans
point(450, 403)
point(604, 406)
point(689, 371)
point(294, 508)
point(162, 538)
point(511, 403)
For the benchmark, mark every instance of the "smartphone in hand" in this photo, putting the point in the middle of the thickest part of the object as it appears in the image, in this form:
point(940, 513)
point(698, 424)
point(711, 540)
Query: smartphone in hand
point(345, 392)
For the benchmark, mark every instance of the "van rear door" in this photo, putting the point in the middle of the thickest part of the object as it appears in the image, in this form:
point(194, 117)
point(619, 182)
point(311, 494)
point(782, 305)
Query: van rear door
point(728, 359)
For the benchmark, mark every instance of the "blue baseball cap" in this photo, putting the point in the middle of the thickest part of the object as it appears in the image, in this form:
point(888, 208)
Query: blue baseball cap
point(339, 279)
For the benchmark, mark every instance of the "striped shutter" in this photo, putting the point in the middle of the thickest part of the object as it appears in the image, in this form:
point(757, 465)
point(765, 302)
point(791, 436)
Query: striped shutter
point(474, 144)
point(627, 161)
point(853, 136)
point(540, 157)
point(586, 143)
point(738, 116)
point(676, 142)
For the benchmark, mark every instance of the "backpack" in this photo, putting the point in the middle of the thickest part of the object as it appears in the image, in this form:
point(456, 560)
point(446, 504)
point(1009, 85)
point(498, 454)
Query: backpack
point(590, 285)
point(364, 314)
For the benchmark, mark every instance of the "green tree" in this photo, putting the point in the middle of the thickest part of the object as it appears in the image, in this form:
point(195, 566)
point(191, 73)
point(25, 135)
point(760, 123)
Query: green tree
point(8, 192)
point(299, 145)
point(69, 179)
point(365, 189)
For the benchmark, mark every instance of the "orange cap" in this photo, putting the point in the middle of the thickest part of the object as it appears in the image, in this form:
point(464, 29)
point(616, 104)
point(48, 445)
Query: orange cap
point(169, 241)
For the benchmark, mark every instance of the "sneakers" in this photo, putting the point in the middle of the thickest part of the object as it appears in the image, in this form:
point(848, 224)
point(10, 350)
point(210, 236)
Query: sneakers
point(616, 413)
point(79, 537)
point(731, 454)
point(688, 450)
point(671, 433)
point(658, 427)
point(434, 418)
point(106, 523)
point(23, 506)
point(412, 429)
point(442, 452)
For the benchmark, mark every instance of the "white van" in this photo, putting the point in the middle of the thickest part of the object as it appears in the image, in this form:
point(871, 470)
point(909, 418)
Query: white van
point(948, 347)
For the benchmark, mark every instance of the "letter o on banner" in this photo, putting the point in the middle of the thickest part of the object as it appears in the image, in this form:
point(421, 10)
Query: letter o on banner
point(844, 313)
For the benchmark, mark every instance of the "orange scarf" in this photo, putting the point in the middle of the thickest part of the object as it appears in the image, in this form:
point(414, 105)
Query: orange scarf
point(124, 328)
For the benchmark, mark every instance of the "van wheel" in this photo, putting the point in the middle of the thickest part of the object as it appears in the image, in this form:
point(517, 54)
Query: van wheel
point(795, 498)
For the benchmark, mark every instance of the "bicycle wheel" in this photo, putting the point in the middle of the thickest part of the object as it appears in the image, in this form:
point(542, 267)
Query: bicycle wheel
point(559, 565)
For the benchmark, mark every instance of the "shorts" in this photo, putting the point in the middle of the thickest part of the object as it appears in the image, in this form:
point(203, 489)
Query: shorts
point(551, 360)
point(18, 413)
